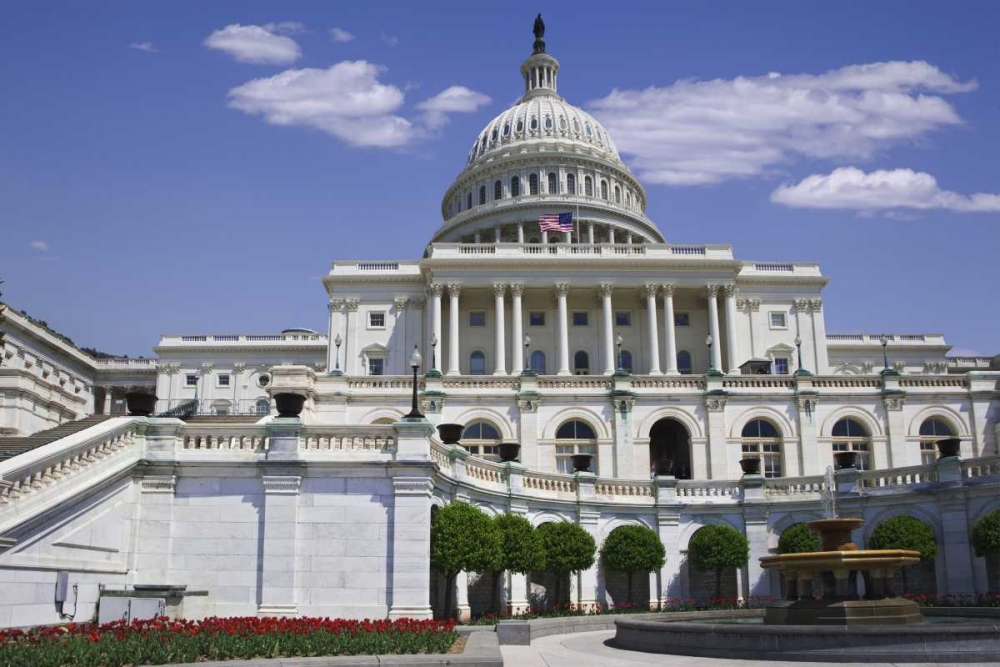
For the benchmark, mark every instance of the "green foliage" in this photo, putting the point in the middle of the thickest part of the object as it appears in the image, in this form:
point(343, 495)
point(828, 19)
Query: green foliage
point(521, 547)
point(567, 547)
point(798, 539)
point(904, 532)
point(986, 535)
point(633, 549)
point(717, 547)
point(463, 538)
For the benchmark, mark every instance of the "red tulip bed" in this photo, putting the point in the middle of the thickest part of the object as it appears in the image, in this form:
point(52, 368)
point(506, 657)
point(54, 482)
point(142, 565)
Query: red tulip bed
point(162, 640)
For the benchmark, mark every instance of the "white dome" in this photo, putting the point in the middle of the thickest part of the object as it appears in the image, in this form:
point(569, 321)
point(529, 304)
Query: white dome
point(543, 119)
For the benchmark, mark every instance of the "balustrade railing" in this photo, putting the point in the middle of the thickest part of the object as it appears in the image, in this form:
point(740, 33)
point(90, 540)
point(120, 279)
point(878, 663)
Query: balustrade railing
point(689, 383)
point(981, 467)
point(549, 485)
point(371, 438)
point(895, 477)
point(933, 382)
point(486, 472)
point(384, 382)
point(625, 489)
point(692, 488)
point(596, 382)
point(225, 437)
point(794, 486)
point(759, 382)
point(481, 383)
point(441, 456)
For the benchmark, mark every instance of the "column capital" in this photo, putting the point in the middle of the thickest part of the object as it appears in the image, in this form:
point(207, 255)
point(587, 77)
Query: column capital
point(499, 289)
point(239, 366)
point(712, 290)
point(801, 304)
point(730, 289)
point(651, 289)
point(816, 305)
point(667, 289)
point(352, 305)
point(207, 367)
point(454, 289)
point(400, 302)
point(562, 289)
point(436, 289)
point(417, 303)
point(335, 305)
point(606, 289)
point(516, 289)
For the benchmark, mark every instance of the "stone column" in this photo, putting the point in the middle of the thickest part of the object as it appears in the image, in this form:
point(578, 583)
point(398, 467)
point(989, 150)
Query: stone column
point(808, 459)
point(901, 453)
point(411, 547)
point(713, 327)
point(398, 352)
point(336, 307)
point(281, 500)
point(952, 507)
point(715, 408)
point(589, 591)
point(561, 290)
point(520, 232)
point(654, 335)
point(669, 327)
point(611, 234)
point(501, 338)
point(517, 324)
point(350, 342)
point(821, 361)
point(609, 329)
point(463, 610)
point(590, 233)
point(435, 355)
point(453, 362)
point(545, 237)
point(732, 338)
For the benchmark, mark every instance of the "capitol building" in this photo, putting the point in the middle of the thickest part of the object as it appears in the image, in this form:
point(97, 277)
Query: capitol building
point(546, 311)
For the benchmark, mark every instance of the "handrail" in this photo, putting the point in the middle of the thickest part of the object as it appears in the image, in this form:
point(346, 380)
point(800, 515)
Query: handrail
point(906, 476)
point(981, 467)
point(368, 438)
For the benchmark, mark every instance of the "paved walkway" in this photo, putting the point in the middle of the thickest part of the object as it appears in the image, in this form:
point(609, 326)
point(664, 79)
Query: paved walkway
point(590, 648)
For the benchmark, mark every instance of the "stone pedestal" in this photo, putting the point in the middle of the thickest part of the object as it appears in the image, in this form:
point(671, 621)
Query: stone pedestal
point(281, 497)
point(410, 547)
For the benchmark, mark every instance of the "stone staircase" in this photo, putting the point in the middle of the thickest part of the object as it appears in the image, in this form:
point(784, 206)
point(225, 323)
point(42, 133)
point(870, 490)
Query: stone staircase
point(12, 446)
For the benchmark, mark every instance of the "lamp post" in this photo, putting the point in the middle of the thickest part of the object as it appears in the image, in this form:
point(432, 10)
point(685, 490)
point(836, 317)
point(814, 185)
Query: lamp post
point(618, 343)
point(527, 370)
point(800, 371)
point(884, 340)
point(711, 361)
point(415, 365)
point(338, 341)
point(432, 370)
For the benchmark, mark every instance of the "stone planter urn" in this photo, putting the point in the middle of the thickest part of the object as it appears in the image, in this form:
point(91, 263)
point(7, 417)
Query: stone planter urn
point(663, 467)
point(289, 405)
point(750, 465)
point(140, 403)
point(581, 462)
point(450, 433)
point(948, 447)
point(509, 451)
point(846, 460)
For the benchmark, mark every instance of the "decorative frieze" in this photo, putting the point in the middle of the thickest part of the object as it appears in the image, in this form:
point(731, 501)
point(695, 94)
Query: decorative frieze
point(894, 403)
point(159, 484)
point(715, 403)
point(282, 485)
point(412, 486)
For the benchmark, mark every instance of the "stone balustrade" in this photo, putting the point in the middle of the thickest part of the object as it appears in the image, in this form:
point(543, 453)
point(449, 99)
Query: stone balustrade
point(896, 477)
point(985, 466)
point(225, 437)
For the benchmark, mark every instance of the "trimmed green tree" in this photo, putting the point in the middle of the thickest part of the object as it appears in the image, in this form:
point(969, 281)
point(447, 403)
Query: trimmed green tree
point(986, 543)
point(717, 548)
point(462, 538)
point(797, 539)
point(632, 549)
point(521, 550)
point(905, 532)
point(568, 548)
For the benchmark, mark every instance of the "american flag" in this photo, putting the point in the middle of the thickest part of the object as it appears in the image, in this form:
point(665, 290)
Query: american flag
point(556, 222)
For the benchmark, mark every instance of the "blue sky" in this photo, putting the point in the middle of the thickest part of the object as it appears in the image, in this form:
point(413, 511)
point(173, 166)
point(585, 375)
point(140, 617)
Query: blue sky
point(176, 167)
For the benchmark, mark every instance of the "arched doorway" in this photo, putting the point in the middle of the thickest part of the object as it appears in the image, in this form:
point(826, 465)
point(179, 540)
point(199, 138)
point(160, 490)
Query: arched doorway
point(669, 440)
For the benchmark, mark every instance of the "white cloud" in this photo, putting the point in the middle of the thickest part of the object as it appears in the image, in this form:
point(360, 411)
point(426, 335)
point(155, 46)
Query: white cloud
point(286, 27)
point(255, 44)
point(455, 99)
point(40, 246)
point(349, 102)
point(143, 46)
point(694, 132)
point(340, 35)
point(391, 40)
point(851, 188)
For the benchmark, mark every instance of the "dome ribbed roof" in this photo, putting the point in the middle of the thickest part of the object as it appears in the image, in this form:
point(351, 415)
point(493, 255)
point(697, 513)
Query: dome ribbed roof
point(541, 119)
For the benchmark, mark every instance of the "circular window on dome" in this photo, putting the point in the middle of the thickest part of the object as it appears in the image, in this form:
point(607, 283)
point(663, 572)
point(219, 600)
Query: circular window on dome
point(534, 123)
point(506, 130)
point(520, 126)
point(590, 132)
point(548, 123)
point(263, 380)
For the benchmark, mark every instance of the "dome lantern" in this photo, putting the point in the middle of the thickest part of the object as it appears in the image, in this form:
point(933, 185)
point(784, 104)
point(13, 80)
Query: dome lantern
point(540, 69)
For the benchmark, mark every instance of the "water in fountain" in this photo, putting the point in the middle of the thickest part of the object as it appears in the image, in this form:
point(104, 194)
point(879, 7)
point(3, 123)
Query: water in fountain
point(828, 496)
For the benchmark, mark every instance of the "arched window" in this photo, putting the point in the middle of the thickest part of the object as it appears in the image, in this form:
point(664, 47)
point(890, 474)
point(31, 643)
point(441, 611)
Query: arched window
point(548, 123)
point(534, 123)
point(497, 190)
point(482, 194)
point(604, 189)
point(618, 195)
point(574, 437)
point(482, 439)
point(515, 187)
point(581, 363)
point(760, 438)
point(468, 201)
point(588, 186)
point(533, 184)
point(849, 435)
point(506, 129)
point(553, 187)
point(684, 362)
point(538, 362)
point(384, 420)
point(628, 199)
point(932, 430)
point(626, 360)
point(571, 184)
point(262, 406)
point(477, 363)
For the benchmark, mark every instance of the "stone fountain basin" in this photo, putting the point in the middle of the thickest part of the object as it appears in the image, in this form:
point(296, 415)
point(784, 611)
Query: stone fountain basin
point(735, 638)
point(833, 561)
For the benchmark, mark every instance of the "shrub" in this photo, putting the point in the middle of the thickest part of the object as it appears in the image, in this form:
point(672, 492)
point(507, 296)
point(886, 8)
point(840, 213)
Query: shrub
point(797, 539)
point(986, 535)
point(521, 549)
point(568, 548)
point(632, 549)
point(904, 532)
point(463, 538)
point(717, 548)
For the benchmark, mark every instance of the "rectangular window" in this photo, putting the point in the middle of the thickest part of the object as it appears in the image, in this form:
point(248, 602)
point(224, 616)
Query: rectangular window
point(224, 380)
point(190, 380)
point(536, 318)
point(376, 320)
point(564, 463)
point(580, 319)
point(682, 319)
point(780, 366)
point(376, 366)
point(477, 318)
point(623, 318)
point(778, 320)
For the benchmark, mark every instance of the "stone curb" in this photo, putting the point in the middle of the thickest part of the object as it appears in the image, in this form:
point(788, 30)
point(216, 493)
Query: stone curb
point(481, 650)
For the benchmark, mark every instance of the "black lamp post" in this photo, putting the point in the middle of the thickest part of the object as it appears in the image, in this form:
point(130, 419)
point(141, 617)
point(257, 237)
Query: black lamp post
point(434, 344)
point(618, 343)
point(711, 359)
point(338, 341)
point(884, 340)
point(527, 370)
point(415, 365)
point(798, 346)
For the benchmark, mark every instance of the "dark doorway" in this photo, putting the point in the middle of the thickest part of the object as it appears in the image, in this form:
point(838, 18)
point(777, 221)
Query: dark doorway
point(669, 441)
